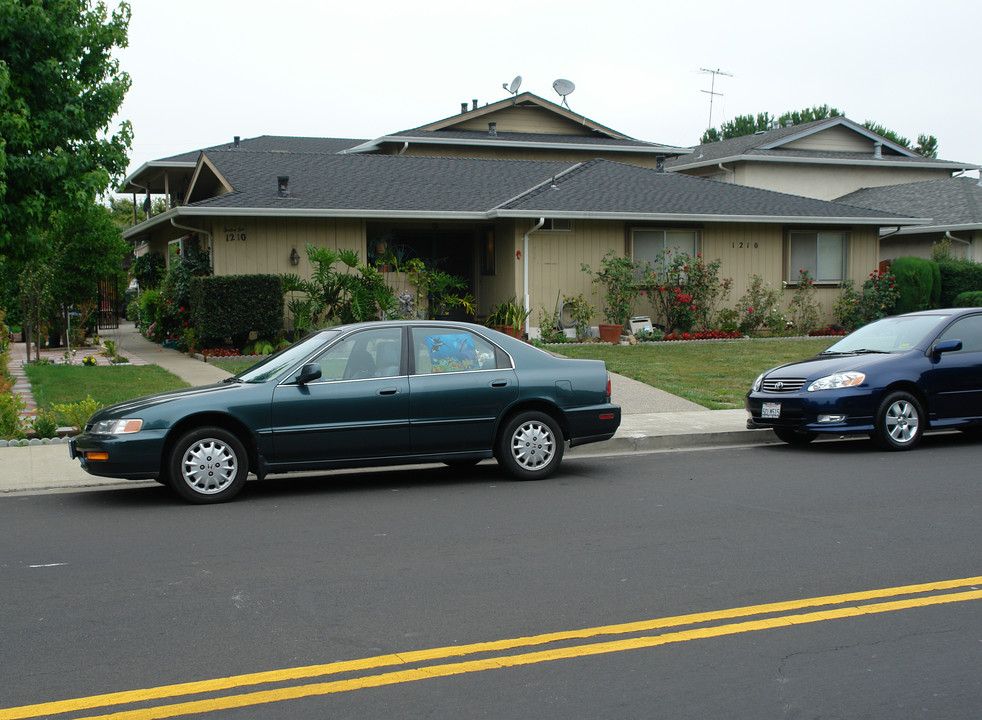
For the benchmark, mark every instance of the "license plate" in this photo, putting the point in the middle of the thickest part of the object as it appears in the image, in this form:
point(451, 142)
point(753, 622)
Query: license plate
point(770, 410)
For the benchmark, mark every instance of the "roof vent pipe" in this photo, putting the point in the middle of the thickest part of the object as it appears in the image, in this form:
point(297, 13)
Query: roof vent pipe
point(475, 103)
point(878, 150)
point(283, 185)
point(235, 141)
point(463, 108)
point(660, 163)
point(493, 129)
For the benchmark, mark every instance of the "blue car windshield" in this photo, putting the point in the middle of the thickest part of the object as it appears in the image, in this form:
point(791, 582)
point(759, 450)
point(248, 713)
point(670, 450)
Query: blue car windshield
point(890, 335)
point(288, 357)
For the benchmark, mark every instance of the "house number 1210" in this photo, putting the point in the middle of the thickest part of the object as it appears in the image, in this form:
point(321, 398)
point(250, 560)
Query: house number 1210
point(744, 245)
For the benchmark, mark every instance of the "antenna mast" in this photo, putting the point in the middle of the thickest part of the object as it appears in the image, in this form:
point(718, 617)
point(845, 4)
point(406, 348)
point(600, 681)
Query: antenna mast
point(712, 90)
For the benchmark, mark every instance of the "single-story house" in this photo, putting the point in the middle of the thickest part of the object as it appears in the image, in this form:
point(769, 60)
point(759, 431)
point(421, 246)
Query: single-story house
point(513, 196)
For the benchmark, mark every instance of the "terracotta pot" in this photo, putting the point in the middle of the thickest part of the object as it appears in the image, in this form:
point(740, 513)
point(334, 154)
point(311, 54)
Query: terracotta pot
point(610, 333)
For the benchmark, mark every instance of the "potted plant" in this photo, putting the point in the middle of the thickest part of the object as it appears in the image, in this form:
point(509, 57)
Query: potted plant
point(444, 292)
point(617, 277)
point(508, 317)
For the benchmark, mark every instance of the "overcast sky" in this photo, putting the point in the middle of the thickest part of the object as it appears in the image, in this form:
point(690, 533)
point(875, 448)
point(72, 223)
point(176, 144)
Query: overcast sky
point(204, 71)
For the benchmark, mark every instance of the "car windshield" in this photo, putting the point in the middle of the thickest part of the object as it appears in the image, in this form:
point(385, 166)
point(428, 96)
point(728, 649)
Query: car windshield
point(890, 335)
point(275, 365)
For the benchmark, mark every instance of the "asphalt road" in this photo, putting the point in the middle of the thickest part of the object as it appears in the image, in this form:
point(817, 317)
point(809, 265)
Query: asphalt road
point(640, 586)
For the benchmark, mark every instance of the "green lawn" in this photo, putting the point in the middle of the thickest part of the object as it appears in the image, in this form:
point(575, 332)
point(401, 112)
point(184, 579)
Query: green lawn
point(714, 374)
point(57, 384)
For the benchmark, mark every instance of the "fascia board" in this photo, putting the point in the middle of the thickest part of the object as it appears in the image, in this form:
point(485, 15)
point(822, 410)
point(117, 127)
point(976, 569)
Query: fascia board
point(911, 229)
point(647, 148)
point(152, 165)
point(204, 162)
point(683, 217)
point(940, 165)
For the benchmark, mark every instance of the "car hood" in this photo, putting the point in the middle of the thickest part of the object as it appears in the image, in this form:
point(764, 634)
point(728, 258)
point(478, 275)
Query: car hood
point(822, 365)
point(140, 404)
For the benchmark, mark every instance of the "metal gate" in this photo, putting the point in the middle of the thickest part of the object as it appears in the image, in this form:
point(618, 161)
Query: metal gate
point(108, 304)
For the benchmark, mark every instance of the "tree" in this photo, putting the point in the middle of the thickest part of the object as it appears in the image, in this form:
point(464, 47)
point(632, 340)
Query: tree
point(122, 210)
point(59, 90)
point(927, 145)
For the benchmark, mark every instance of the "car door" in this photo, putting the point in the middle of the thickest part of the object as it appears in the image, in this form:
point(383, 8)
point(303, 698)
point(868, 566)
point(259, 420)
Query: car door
point(460, 384)
point(358, 408)
point(956, 379)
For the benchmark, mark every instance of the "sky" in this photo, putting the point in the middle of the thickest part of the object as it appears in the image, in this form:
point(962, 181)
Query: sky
point(205, 71)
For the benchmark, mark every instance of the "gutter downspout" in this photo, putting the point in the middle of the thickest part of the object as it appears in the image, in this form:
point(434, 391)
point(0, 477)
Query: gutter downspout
point(971, 248)
point(525, 269)
point(732, 173)
point(405, 146)
point(211, 255)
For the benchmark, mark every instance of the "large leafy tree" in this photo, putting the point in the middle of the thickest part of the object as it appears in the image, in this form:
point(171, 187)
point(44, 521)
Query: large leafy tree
point(60, 88)
point(927, 145)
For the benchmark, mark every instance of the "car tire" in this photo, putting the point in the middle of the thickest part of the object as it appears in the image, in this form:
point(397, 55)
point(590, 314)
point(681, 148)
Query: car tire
point(208, 465)
point(793, 436)
point(530, 446)
point(899, 422)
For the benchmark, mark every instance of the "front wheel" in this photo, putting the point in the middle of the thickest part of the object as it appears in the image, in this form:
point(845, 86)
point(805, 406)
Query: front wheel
point(208, 465)
point(530, 446)
point(897, 425)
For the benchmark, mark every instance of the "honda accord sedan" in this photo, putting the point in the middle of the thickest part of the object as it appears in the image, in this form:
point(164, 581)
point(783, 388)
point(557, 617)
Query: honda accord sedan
point(893, 379)
point(371, 394)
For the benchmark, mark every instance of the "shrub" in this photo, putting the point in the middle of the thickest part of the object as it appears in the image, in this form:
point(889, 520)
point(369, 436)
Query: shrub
point(234, 306)
point(957, 277)
point(803, 309)
point(44, 424)
point(685, 290)
point(759, 307)
point(877, 299)
point(11, 406)
point(78, 413)
point(617, 277)
point(919, 283)
point(972, 298)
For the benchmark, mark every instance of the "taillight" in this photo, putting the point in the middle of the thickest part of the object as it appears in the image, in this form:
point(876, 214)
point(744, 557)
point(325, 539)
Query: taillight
point(608, 387)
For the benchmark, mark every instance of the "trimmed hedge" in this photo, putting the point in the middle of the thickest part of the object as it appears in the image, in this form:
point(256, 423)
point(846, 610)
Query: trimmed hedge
point(233, 306)
point(973, 298)
point(957, 277)
point(919, 282)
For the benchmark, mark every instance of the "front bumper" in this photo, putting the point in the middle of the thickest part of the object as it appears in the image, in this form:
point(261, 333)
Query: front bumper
point(130, 457)
point(828, 411)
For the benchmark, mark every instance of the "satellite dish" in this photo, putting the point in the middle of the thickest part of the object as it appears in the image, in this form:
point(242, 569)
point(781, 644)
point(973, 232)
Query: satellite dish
point(515, 84)
point(563, 87)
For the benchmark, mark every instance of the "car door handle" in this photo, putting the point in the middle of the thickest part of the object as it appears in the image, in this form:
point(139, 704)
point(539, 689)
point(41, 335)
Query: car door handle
point(387, 391)
point(500, 383)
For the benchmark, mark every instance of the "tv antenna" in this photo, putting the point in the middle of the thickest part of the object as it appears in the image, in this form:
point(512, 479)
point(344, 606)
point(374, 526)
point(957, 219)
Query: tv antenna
point(712, 89)
point(564, 88)
point(515, 84)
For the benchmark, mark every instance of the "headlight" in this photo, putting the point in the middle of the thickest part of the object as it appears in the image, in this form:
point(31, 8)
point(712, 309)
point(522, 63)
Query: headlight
point(838, 380)
point(117, 427)
point(758, 382)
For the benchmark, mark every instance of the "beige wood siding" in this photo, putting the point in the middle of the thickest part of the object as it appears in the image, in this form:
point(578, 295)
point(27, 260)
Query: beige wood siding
point(525, 119)
point(838, 138)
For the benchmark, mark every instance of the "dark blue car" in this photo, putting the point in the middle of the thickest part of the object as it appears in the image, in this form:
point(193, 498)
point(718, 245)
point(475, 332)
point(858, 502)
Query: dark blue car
point(893, 379)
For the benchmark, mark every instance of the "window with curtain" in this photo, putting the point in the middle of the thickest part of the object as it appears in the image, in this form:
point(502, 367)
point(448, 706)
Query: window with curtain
point(821, 254)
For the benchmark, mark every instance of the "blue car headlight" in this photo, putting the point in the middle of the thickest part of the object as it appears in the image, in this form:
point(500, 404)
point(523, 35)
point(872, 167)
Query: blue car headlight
point(117, 427)
point(838, 380)
point(758, 382)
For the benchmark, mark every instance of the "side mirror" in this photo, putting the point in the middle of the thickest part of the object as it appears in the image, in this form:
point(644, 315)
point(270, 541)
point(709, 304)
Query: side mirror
point(947, 346)
point(308, 373)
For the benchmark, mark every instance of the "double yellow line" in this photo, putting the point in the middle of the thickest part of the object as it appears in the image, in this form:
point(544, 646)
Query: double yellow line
point(697, 626)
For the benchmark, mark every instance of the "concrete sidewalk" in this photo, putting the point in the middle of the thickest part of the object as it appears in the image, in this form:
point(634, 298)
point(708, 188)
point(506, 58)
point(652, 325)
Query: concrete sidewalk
point(651, 420)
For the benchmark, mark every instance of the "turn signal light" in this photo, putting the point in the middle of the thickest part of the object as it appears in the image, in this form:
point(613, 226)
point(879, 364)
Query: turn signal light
point(97, 456)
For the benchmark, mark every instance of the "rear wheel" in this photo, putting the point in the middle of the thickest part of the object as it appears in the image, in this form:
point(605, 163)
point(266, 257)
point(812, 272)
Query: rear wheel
point(208, 465)
point(898, 422)
point(793, 436)
point(530, 446)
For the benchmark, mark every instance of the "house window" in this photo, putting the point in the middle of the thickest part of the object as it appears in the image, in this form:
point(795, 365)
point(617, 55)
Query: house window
point(821, 254)
point(559, 225)
point(649, 245)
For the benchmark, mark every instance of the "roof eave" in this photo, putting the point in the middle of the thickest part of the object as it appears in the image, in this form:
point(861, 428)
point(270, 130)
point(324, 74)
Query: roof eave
point(498, 142)
point(872, 162)
point(911, 229)
point(146, 167)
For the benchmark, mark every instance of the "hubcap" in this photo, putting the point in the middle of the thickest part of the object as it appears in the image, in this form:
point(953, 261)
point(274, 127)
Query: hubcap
point(533, 445)
point(209, 466)
point(902, 422)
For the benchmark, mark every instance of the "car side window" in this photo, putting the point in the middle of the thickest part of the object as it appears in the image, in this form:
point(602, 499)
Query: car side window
point(968, 330)
point(365, 354)
point(441, 350)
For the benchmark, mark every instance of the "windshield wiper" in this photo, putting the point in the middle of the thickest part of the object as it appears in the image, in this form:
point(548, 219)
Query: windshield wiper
point(233, 380)
point(868, 351)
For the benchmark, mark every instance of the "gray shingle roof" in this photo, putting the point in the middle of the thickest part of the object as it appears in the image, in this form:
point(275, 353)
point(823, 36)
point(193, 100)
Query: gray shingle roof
point(274, 143)
point(949, 201)
point(379, 184)
point(532, 138)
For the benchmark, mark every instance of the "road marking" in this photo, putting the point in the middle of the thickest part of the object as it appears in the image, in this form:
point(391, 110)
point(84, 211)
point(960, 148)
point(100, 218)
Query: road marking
point(854, 601)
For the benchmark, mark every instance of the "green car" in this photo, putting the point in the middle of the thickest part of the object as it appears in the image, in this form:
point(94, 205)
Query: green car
point(372, 394)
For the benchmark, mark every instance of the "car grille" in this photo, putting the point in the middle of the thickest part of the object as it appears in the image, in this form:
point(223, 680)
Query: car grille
point(783, 385)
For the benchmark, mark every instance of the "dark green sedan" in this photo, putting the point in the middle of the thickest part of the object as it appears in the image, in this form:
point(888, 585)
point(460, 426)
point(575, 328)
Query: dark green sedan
point(383, 393)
